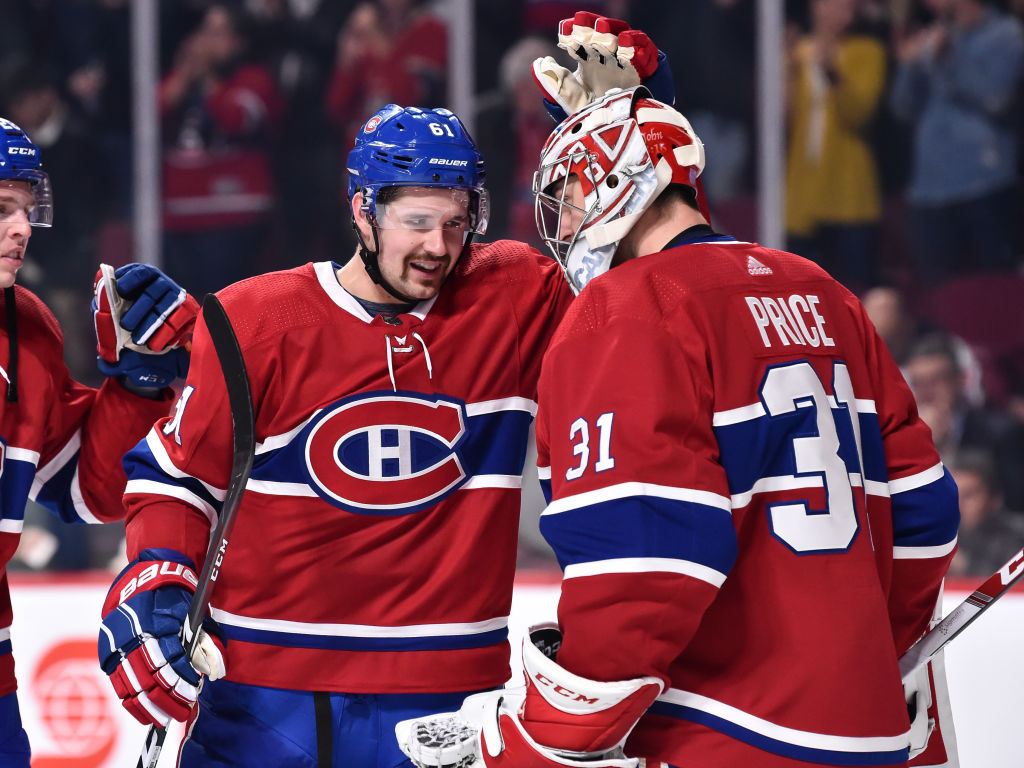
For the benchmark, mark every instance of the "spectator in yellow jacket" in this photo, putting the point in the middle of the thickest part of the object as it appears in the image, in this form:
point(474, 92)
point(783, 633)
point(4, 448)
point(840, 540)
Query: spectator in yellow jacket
point(833, 205)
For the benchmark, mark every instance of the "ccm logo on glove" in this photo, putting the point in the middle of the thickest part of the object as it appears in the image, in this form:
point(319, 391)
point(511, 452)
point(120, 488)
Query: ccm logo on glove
point(561, 690)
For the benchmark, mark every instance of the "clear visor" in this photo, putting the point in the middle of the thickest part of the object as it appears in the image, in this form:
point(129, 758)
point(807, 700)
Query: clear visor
point(39, 211)
point(421, 209)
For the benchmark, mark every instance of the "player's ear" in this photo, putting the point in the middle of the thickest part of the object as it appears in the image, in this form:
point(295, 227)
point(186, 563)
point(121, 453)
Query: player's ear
point(359, 215)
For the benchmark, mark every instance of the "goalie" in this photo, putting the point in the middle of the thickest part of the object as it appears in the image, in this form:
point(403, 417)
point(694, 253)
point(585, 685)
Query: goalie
point(751, 518)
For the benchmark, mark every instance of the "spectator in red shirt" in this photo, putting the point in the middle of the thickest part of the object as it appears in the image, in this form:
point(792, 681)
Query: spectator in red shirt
point(389, 51)
point(219, 112)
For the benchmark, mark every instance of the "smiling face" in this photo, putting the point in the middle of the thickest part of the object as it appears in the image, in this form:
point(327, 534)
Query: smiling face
point(16, 202)
point(421, 234)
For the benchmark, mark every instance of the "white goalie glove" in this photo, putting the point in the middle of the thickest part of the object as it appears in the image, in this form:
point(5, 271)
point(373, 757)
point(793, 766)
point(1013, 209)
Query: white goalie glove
point(446, 740)
point(609, 55)
point(918, 692)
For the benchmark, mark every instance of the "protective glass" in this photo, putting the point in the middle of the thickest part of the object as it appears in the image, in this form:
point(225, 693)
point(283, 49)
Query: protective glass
point(438, 208)
point(41, 212)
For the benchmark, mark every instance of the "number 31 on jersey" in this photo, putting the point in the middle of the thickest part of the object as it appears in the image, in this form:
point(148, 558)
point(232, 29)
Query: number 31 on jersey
point(579, 435)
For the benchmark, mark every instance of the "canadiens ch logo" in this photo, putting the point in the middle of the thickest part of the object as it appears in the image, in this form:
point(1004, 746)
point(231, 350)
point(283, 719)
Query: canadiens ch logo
point(387, 454)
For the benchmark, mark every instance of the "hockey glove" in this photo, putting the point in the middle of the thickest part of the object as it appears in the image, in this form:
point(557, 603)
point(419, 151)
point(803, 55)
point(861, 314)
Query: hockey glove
point(610, 55)
point(917, 690)
point(140, 639)
point(143, 322)
point(558, 719)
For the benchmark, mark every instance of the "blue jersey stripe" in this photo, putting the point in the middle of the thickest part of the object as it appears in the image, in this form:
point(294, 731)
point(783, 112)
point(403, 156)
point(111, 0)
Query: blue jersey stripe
point(777, 746)
point(545, 487)
point(643, 526)
point(763, 446)
point(55, 493)
point(15, 483)
point(928, 516)
point(140, 464)
point(494, 444)
point(348, 643)
point(5, 647)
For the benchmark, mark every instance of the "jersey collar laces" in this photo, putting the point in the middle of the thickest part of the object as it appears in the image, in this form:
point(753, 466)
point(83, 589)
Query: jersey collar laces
point(401, 344)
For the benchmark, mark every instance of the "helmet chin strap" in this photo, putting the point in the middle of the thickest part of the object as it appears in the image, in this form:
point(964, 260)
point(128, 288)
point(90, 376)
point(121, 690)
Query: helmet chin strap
point(372, 264)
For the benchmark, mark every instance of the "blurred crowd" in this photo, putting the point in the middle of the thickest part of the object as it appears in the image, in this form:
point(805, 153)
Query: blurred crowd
point(904, 123)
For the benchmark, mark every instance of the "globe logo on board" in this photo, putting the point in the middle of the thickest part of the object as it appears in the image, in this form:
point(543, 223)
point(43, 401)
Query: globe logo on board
point(74, 704)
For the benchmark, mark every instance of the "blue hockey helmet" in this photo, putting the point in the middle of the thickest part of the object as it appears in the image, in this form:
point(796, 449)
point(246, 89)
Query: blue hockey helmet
point(20, 161)
point(413, 147)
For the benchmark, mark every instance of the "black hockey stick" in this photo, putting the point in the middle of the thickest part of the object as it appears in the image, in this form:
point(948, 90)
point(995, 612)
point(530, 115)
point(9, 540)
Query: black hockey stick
point(932, 641)
point(232, 365)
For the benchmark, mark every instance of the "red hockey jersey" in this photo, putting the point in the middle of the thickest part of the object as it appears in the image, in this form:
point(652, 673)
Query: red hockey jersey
point(61, 442)
point(375, 543)
point(744, 503)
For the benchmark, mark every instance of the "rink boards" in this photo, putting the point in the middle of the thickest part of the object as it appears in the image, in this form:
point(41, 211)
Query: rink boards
point(73, 717)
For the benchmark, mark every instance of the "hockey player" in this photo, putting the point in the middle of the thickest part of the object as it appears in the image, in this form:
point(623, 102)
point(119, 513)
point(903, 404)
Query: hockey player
point(61, 442)
point(752, 521)
point(369, 574)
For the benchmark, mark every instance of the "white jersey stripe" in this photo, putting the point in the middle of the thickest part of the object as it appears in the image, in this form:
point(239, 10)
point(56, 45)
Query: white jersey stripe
point(274, 488)
point(502, 404)
point(738, 415)
point(493, 481)
point(23, 454)
point(912, 482)
point(175, 492)
point(358, 630)
point(645, 565)
point(78, 500)
point(923, 553)
point(11, 526)
point(803, 482)
point(875, 488)
point(625, 490)
point(273, 442)
point(778, 483)
point(808, 739)
point(163, 460)
point(58, 462)
point(756, 411)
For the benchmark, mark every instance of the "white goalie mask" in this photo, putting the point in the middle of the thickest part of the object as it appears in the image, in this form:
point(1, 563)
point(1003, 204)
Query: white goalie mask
point(624, 149)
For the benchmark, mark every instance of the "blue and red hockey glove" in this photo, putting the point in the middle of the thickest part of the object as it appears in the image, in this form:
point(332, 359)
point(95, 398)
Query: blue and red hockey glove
point(609, 55)
point(140, 644)
point(143, 322)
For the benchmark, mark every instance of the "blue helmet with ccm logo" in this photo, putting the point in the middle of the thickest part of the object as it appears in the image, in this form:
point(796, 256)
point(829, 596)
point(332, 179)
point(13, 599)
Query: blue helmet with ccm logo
point(413, 147)
point(20, 161)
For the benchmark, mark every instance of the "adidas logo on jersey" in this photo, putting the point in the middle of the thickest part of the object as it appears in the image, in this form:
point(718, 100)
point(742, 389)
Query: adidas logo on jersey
point(755, 267)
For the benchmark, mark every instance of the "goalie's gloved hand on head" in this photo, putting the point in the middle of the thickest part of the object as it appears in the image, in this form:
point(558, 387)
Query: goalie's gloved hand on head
point(558, 719)
point(143, 321)
point(140, 644)
point(609, 55)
